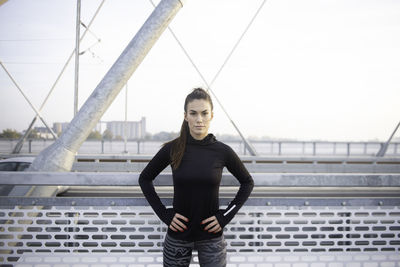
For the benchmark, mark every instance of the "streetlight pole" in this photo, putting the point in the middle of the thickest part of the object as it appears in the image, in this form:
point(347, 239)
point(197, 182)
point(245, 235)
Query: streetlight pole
point(77, 42)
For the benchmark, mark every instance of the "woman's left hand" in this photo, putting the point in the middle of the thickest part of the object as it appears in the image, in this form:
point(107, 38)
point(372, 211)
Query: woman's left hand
point(213, 226)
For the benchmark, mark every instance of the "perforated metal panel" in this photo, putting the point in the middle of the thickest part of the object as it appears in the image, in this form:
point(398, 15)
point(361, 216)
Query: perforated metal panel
point(255, 229)
point(312, 229)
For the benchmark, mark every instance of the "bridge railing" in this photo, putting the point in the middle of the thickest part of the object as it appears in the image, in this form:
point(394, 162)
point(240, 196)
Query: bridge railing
point(258, 164)
point(255, 164)
point(291, 213)
point(263, 147)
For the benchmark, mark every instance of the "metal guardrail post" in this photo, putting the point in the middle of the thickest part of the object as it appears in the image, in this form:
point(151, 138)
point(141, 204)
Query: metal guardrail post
point(280, 148)
point(314, 148)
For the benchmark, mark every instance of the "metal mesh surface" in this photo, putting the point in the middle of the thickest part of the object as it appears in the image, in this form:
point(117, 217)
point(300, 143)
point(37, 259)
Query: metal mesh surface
point(258, 229)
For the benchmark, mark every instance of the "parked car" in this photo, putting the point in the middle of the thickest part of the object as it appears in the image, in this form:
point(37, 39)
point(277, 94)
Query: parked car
point(15, 164)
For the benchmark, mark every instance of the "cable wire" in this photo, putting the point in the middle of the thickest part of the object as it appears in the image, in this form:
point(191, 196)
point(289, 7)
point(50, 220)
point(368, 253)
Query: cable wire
point(248, 145)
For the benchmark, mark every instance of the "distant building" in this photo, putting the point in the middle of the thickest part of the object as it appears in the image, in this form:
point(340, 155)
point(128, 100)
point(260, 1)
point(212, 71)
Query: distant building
point(134, 129)
point(43, 132)
point(59, 127)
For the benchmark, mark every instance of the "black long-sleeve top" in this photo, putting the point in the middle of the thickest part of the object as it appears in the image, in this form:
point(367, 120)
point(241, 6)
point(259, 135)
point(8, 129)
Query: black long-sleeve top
point(196, 185)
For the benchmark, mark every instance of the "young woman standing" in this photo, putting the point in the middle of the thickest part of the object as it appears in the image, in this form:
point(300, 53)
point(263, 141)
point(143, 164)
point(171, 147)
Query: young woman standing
point(197, 160)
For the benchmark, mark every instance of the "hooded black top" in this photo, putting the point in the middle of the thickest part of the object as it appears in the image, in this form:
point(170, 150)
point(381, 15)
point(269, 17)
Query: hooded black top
point(196, 185)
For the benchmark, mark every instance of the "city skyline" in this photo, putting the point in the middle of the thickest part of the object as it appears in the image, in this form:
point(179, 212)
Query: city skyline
point(58, 127)
point(305, 70)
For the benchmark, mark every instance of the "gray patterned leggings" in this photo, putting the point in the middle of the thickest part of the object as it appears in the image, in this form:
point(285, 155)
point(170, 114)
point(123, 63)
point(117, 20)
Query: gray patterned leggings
point(178, 253)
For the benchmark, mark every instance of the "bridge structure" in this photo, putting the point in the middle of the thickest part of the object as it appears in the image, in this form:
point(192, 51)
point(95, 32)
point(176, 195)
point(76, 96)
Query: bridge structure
point(87, 210)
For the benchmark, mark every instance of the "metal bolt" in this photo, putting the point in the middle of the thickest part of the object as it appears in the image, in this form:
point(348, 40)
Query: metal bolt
point(268, 203)
point(112, 203)
point(306, 203)
point(73, 203)
point(380, 203)
point(344, 203)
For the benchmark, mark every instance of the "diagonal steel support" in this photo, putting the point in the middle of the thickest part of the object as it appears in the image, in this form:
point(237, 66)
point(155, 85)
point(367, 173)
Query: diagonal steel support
point(60, 155)
point(385, 146)
point(21, 141)
point(248, 145)
point(29, 102)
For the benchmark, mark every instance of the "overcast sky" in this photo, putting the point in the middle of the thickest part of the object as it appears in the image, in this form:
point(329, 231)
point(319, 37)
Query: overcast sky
point(325, 69)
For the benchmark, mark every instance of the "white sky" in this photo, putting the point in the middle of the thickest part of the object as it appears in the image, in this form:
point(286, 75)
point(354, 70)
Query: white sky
point(311, 69)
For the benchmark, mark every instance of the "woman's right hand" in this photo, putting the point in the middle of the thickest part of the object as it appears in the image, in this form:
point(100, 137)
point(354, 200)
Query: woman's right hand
point(177, 225)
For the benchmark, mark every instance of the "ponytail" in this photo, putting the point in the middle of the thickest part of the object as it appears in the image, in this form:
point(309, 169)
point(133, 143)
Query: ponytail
point(178, 146)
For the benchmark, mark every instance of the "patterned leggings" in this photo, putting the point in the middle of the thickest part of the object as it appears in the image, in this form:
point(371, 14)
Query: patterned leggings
point(178, 253)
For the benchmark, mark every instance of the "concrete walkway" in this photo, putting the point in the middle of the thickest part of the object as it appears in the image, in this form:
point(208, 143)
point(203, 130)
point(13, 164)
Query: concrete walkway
point(330, 259)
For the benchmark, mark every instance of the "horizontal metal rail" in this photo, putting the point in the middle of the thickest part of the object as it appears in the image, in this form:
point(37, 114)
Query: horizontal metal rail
point(273, 147)
point(259, 164)
point(304, 201)
point(276, 259)
point(118, 189)
point(245, 158)
point(165, 179)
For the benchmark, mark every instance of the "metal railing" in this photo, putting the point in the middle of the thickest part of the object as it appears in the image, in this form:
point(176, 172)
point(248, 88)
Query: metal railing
point(255, 164)
point(272, 164)
point(293, 213)
point(306, 148)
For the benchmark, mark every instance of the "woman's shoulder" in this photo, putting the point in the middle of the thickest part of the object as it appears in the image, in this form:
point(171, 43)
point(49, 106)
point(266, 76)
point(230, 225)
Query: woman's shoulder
point(168, 145)
point(221, 145)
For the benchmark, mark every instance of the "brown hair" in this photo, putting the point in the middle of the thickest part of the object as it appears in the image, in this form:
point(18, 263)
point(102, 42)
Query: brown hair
point(179, 144)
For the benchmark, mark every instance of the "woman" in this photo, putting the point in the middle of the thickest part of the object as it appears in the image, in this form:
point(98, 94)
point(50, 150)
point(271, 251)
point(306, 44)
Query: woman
point(197, 160)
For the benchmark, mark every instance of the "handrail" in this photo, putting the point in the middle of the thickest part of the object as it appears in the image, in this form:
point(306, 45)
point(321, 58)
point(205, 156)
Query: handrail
point(245, 158)
point(165, 179)
point(266, 147)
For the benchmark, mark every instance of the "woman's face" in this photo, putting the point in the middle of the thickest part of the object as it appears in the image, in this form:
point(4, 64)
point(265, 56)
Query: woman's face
point(198, 115)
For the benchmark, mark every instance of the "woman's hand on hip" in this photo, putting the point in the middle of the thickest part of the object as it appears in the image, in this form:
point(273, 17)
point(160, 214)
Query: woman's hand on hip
point(177, 225)
point(213, 225)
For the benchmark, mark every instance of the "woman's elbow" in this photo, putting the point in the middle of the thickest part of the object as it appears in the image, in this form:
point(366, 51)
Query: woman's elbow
point(251, 183)
point(141, 180)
